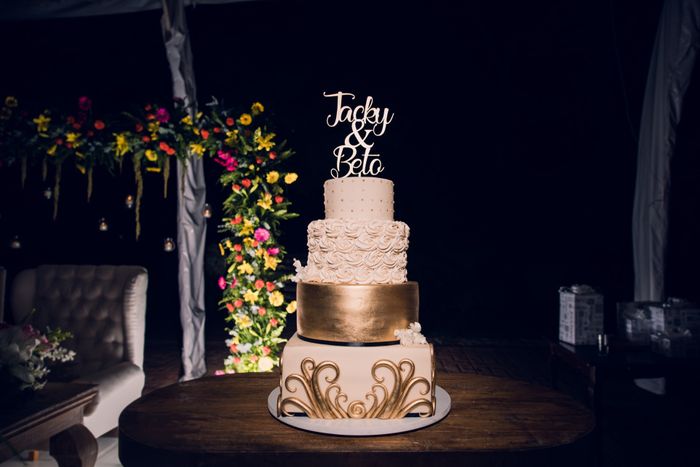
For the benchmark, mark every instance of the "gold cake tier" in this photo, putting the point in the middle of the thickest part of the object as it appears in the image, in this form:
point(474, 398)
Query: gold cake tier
point(353, 313)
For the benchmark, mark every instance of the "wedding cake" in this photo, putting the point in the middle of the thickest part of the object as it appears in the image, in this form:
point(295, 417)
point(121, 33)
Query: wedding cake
point(358, 351)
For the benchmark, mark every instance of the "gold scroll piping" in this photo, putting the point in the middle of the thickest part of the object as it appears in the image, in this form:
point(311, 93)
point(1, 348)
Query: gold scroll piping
point(355, 313)
point(326, 399)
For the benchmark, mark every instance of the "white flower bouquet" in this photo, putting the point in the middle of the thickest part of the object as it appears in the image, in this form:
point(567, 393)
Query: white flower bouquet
point(25, 353)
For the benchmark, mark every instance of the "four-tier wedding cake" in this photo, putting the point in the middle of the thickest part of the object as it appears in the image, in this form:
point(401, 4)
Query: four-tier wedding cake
point(358, 351)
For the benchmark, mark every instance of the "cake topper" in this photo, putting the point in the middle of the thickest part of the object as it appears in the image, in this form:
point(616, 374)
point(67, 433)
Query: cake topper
point(354, 156)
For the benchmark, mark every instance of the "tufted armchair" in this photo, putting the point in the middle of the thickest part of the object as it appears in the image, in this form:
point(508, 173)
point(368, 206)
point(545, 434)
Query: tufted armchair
point(105, 309)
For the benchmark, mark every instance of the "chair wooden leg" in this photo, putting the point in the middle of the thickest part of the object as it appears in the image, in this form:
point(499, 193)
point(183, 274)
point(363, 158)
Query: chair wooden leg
point(74, 447)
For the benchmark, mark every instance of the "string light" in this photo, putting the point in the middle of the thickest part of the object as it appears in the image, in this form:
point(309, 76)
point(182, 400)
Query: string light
point(206, 211)
point(103, 225)
point(168, 245)
point(15, 244)
point(48, 193)
point(129, 201)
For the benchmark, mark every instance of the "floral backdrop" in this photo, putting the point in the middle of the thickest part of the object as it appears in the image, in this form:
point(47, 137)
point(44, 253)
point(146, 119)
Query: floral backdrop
point(251, 159)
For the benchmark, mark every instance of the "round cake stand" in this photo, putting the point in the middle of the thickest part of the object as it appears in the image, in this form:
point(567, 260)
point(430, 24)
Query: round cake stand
point(364, 427)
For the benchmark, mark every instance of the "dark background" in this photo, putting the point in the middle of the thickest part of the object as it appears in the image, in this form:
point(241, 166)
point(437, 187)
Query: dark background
point(513, 147)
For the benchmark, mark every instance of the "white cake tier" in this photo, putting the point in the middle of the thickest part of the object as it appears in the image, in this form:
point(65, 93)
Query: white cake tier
point(347, 251)
point(330, 381)
point(359, 198)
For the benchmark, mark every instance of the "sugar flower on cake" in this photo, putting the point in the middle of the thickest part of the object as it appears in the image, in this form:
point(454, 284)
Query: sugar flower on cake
point(411, 336)
point(299, 276)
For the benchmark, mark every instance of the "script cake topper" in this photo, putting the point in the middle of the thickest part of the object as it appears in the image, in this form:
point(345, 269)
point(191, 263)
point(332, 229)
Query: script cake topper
point(354, 156)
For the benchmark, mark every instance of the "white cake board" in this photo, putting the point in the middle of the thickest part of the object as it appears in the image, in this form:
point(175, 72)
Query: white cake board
point(364, 427)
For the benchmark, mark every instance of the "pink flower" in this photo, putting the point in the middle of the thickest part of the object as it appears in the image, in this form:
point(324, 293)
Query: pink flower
point(84, 103)
point(273, 251)
point(222, 283)
point(219, 373)
point(233, 283)
point(261, 234)
point(162, 115)
point(226, 160)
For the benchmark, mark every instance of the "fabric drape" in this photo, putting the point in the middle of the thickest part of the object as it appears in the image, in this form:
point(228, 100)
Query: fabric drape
point(671, 67)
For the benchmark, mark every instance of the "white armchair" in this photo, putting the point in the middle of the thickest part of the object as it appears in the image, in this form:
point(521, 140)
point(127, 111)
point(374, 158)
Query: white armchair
point(105, 309)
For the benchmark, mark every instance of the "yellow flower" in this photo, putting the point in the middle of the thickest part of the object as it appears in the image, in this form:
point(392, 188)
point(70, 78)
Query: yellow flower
point(197, 149)
point(270, 261)
point(42, 123)
point(292, 306)
point(276, 298)
point(52, 150)
point(248, 241)
point(11, 101)
point(259, 252)
point(257, 108)
point(153, 127)
point(290, 178)
point(121, 144)
point(231, 137)
point(273, 176)
point(151, 155)
point(244, 321)
point(187, 119)
point(264, 142)
point(245, 268)
point(153, 169)
point(229, 245)
point(245, 119)
point(266, 201)
point(250, 296)
point(221, 249)
point(247, 228)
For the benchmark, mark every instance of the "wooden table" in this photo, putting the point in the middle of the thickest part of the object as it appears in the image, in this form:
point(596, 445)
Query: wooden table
point(225, 421)
point(54, 413)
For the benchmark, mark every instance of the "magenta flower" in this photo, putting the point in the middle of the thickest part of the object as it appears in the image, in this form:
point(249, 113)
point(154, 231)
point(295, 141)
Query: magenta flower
point(222, 283)
point(273, 251)
point(162, 115)
point(84, 103)
point(225, 159)
point(261, 234)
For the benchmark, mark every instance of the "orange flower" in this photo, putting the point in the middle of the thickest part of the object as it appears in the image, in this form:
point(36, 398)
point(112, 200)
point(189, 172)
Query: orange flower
point(253, 358)
point(236, 187)
point(239, 258)
point(164, 146)
point(233, 348)
point(204, 133)
point(99, 125)
point(230, 308)
point(236, 220)
point(150, 117)
point(262, 311)
point(273, 155)
point(229, 121)
point(259, 284)
point(217, 129)
point(139, 128)
point(238, 303)
point(246, 182)
point(146, 138)
point(278, 199)
point(237, 247)
point(273, 322)
point(266, 350)
point(270, 286)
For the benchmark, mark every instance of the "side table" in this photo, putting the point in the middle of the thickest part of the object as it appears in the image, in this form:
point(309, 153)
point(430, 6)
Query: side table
point(54, 413)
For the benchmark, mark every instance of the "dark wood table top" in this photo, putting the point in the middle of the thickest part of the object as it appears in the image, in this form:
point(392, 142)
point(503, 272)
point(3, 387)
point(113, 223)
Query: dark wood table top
point(45, 413)
point(224, 420)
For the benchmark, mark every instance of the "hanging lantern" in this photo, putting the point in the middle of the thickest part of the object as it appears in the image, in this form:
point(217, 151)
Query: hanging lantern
point(206, 211)
point(103, 225)
point(129, 201)
point(15, 244)
point(168, 245)
point(48, 193)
